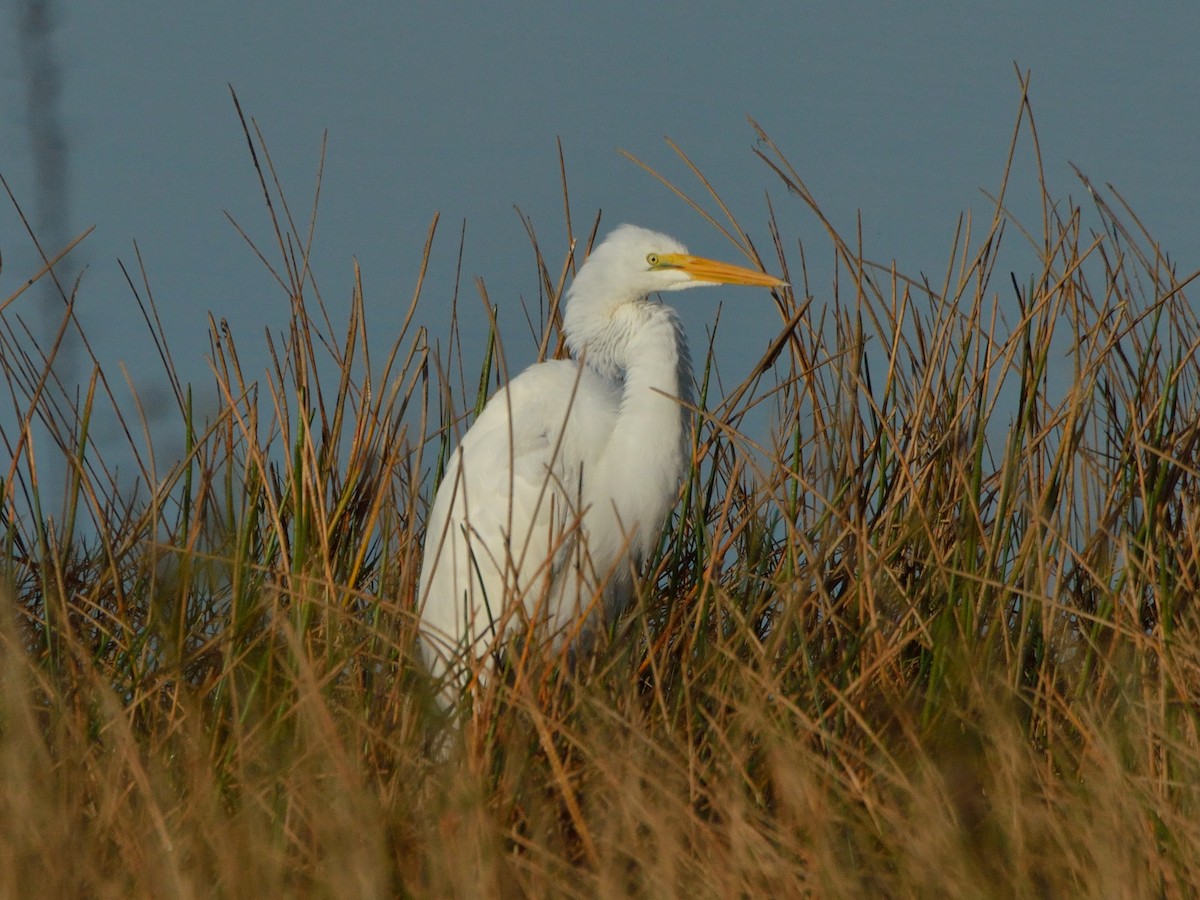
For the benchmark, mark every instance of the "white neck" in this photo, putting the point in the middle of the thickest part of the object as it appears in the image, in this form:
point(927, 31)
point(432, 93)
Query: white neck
point(648, 450)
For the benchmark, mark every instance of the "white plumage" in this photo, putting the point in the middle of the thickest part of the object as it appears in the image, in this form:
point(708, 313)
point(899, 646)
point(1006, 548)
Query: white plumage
point(560, 488)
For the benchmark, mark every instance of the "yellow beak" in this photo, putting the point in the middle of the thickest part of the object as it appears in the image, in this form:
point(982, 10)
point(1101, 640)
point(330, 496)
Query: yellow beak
point(712, 272)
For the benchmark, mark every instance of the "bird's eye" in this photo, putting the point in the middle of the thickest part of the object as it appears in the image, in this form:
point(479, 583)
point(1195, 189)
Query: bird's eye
point(652, 259)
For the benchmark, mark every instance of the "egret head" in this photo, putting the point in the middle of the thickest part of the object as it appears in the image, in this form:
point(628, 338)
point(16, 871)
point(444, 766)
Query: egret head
point(632, 263)
point(608, 303)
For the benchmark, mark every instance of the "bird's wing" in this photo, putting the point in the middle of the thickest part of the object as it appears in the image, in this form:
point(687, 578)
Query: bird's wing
point(505, 518)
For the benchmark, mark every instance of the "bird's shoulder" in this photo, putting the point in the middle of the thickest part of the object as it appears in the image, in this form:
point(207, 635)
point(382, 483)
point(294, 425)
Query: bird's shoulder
point(548, 400)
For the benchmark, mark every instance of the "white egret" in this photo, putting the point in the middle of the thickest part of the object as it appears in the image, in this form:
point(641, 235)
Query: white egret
point(560, 488)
